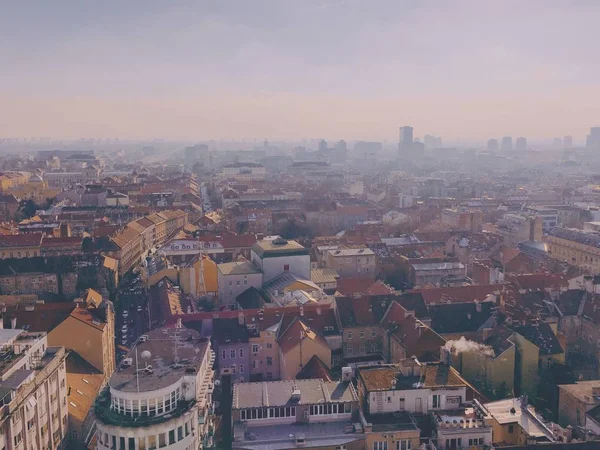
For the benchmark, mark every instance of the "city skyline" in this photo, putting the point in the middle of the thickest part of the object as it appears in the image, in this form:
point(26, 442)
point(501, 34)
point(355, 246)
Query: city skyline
point(340, 69)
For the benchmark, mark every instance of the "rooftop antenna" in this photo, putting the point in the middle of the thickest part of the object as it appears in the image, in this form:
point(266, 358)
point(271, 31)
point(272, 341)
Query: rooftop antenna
point(137, 371)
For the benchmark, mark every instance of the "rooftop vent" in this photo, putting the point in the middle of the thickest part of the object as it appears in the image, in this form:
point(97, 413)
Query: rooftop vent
point(296, 395)
point(279, 241)
point(127, 362)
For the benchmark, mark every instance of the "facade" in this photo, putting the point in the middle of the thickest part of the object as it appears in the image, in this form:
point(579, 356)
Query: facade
point(95, 331)
point(465, 427)
point(20, 245)
point(462, 220)
point(410, 386)
point(244, 171)
point(88, 175)
point(575, 400)
point(435, 271)
point(549, 216)
point(160, 396)
point(234, 278)
point(575, 247)
point(230, 338)
point(34, 392)
point(352, 262)
point(312, 414)
point(274, 255)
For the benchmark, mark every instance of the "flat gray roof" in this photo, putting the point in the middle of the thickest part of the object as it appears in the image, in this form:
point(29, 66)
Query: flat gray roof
point(167, 346)
point(279, 393)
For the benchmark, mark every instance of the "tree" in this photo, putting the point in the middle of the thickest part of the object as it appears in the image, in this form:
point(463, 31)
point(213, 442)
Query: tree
point(292, 230)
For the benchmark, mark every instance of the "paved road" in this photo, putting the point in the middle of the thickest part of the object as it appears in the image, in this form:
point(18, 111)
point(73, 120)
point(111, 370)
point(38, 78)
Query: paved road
point(132, 313)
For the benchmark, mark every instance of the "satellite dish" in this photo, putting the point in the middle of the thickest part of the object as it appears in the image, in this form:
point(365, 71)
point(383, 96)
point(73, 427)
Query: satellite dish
point(217, 382)
point(146, 354)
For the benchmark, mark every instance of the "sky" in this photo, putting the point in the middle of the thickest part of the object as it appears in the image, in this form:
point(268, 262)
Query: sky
point(288, 69)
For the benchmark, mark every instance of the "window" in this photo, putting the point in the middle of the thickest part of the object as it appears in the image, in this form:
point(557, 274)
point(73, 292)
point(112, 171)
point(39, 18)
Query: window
point(436, 401)
point(241, 352)
point(233, 368)
point(179, 433)
point(380, 445)
point(245, 281)
point(349, 335)
point(362, 347)
point(223, 354)
point(286, 267)
point(373, 333)
point(241, 368)
point(269, 361)
point(255, 348)
point(269, 345)
point(254, 364)
point(18, 438)
point(231, 283)
point(269, 375)
point(402, 403)
point(404, 444)
point(171, 437)
point(349, 349)
point(232, 353)
point(511, 428)
point(362, 334)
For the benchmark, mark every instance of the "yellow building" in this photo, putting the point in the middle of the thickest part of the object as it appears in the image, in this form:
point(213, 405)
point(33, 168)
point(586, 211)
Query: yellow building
point(35, 189)
point(575, 247)
point(297, 345)
point(20, 246)
point(89, 331)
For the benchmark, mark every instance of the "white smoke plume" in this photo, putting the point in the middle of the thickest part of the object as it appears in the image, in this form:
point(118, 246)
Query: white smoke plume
point(464, 345)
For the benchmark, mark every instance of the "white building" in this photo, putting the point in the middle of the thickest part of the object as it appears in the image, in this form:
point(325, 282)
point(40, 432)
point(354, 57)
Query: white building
point(274, 255)
point(160, 396)
point(234, 278)
point(410, 386)
point(244, 171)
point(34, 413)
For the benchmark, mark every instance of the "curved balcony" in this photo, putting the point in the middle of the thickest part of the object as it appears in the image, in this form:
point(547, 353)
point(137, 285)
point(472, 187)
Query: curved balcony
point(108, 416)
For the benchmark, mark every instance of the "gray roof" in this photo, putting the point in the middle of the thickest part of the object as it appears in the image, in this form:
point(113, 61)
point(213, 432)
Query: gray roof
point(568, 234)
point(161, 343)
point(278, 247)
point(279, 393)
point(238, 268)
point(285, 279)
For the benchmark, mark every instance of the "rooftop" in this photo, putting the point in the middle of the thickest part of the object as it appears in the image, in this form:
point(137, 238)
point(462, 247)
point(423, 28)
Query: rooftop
point(21, 240)
point(511, 411)
point(279, 393)
point(277, 247)
point(582, 390)
point(578, 236)
point(396, 377)
point(238, 268)
point(174, 352)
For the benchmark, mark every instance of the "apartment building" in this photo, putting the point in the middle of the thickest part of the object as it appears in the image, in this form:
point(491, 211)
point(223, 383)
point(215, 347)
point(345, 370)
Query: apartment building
point(352, 262)
point(127, 249)
point(160, 396)
point(234, 278)
point(20, 245)
point(34, 412)
point(312, 414)
point(576, 247)
point(274, 256)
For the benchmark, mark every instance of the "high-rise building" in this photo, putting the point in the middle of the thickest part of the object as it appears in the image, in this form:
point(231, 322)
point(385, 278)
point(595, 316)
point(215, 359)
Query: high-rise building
point(593, 139)
point(557, 143)
point(341, 146)
point(161, 394)
point(492, 145)
point(322, 145)
point(568, 142)
point(406, 135)
point(506, 144)
point(34, 388)
point(521, 143)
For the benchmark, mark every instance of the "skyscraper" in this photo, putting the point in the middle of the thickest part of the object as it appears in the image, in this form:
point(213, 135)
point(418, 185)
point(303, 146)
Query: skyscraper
point(492, 145)
point(567, 142)
point(406, 135)
point(506, 145)
point(593, 139)
point(322, 145)
point(521, 143)
point(557, 143)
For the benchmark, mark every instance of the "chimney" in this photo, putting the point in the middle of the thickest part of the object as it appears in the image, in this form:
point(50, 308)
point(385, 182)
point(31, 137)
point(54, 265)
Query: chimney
point(301, 311)
point(477, 306)
point(524, 401)
point(486, 333)
point(241, 318)
point(319, 310)
point(13, 322)
point(1, 322)
point(179, 323)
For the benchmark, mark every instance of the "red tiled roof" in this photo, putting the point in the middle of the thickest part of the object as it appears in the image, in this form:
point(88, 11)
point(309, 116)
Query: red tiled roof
point(505, 254)
point(458, 294)
point(539, 281)
point(239, 240)
point(362, 286)
point(21, 240)
point(297, 332)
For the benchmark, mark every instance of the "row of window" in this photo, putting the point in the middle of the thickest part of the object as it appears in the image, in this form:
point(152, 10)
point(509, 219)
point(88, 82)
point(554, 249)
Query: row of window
point(362, 334)
point(268, 413)
point(232, 353)
point(362, 348)
point(147, 407)
point(238, 282)
point(402, 444)
point(330, 408)
point(256, 347)
point(146, 443)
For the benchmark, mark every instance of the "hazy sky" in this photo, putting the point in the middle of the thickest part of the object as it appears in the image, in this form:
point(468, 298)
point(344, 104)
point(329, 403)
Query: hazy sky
point(352, 69)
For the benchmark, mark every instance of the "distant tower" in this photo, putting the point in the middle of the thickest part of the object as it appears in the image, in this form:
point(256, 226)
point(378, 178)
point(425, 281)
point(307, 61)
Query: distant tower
point(506, 144)
point(557, 143)
point(406, 135)
point(492, 145)
point(521, 143)
point(266, 143)
point(593, 139)
point(322, 145)
point(341, 146)
point(568, 142)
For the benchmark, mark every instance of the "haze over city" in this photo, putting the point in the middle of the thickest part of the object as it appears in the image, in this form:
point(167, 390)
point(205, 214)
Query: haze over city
point(354, 69)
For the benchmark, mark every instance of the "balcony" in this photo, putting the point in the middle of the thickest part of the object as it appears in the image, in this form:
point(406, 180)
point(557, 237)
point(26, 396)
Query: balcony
point(109, 416)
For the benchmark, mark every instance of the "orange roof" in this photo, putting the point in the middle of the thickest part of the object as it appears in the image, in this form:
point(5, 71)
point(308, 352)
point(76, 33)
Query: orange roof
point(297, 332)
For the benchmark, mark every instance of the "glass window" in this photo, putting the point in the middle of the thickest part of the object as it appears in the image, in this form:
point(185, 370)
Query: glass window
point(179, 433)
point(241, 352)
point(162, 440)
point(232, 353)
point(171, 437)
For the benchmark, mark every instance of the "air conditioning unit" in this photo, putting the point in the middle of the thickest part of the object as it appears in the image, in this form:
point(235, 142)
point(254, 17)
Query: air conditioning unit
point(143, 338)
point(127, 362)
